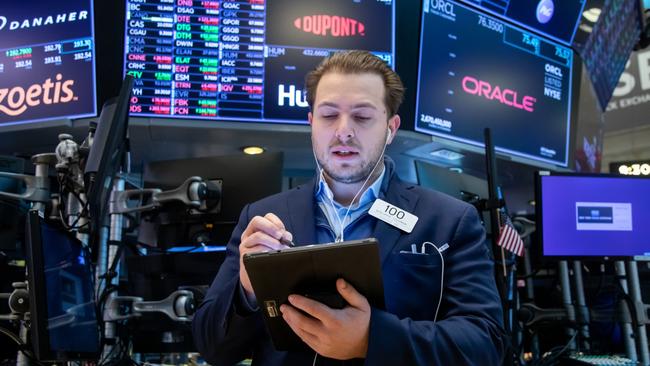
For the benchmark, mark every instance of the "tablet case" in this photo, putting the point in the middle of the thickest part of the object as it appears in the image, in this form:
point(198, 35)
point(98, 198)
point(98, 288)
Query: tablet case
point(312, 271)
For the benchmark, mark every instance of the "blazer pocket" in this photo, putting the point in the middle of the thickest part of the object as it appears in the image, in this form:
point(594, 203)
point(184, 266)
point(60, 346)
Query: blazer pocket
point(412, 286)
point(417, 259)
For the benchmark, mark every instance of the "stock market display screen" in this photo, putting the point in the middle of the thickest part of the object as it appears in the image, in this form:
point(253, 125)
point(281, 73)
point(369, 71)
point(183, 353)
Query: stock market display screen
point(242, 60)
point(47, 67)
point(607, 48)
point(557, 20)
point(478, 72)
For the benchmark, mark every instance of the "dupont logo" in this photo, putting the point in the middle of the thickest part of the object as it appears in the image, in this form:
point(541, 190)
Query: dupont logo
point(15, 101)
point(330, 25)
point(545, 10)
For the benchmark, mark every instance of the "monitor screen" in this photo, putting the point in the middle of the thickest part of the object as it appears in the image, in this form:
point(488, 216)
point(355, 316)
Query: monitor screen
point(557, 20)
point(477, 72)
point(593, 216)
point(47, 63)
point(242, 60)
point(62, 306)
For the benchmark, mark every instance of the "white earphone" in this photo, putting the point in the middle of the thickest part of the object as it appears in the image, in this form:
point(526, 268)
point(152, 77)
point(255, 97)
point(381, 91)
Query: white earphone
point(388, 136)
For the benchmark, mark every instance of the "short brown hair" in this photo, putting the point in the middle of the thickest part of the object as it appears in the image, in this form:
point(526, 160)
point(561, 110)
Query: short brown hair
point(358, 62)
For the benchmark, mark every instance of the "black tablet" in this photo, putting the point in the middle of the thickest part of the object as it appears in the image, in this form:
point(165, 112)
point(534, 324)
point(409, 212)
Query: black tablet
point(312, 271)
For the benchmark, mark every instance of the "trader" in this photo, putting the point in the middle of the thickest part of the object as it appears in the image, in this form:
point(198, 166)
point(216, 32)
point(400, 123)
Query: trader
point(442, 307)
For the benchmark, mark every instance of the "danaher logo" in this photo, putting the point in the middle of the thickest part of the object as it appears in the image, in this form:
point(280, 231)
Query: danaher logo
point(15, 101)
point(42, 21)
point(330, 25)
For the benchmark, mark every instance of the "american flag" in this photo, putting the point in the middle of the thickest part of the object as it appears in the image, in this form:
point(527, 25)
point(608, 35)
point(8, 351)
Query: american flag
point(510, 240)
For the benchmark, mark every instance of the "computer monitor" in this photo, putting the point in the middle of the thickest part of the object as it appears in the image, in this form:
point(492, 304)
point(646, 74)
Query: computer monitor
point(593, 216)
point(458, 185)
point(462, 186)
point(64, 321)
point(245, 179)
point(47, 60)
point(476, 71)
point(106, 154)
point(12, 211)
point(243, 61)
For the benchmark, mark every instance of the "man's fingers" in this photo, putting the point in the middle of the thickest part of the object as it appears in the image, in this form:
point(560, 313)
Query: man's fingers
point(311, 340)
point(314, 308)
point(299, 322)
point(255, 249)
point(275, 220)
point(351, 295)
point(259, 223)
point(261, 238)
point(283, 233)
point(270, 224)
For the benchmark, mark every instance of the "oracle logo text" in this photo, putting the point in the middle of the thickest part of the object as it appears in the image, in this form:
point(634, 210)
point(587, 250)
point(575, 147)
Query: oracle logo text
point(507, 97)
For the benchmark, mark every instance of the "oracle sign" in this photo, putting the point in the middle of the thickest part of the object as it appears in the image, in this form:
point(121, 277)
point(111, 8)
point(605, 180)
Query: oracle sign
point(505, 96)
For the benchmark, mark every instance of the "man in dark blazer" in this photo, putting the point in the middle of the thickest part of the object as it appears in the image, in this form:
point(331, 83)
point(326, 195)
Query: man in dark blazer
point(442, 307)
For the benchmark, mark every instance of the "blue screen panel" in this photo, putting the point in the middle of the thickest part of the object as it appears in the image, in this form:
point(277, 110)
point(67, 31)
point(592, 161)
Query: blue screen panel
point(477, 71)
point(594, 216)
point(554, 19)
point(71, 317)
point(242, 60)
point(47, 67)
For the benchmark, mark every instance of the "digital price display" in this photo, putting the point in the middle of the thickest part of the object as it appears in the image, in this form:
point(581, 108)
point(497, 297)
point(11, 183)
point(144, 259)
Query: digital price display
point(554, 19)
point(477, 71)
point(607, 48)
point(47, 66)
point(242, 60)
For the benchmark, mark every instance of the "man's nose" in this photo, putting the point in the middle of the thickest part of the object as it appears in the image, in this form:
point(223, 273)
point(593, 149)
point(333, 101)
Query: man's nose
point(344, 129)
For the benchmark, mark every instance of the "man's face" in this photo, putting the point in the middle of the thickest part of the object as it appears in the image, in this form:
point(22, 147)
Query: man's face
point(349, 125)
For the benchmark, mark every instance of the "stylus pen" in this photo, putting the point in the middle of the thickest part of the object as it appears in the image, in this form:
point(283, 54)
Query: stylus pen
point(286, 242)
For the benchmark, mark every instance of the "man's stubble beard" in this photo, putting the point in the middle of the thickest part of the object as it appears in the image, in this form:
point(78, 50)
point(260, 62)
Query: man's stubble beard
point(354, 177)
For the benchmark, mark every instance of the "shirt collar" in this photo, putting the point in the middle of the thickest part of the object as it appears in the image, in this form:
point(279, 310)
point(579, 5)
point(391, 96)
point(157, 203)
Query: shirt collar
point(325, 194)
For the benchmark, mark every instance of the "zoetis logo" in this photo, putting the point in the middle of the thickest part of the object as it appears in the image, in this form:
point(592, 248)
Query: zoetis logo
point(15, 101)
point(330, 25)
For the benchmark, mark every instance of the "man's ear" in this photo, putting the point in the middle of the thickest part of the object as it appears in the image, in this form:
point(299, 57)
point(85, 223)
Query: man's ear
point(310, 117)
point(393, 126)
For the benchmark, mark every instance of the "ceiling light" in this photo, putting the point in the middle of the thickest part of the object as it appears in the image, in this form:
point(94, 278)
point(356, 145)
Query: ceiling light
point(253, 150)
point(592, 14)
point(446, 154)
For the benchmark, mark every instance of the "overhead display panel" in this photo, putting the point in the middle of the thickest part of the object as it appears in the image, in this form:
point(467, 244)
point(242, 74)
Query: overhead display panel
point(47, 66)
point(242, 60)
point(476, 71)
point(554, 19)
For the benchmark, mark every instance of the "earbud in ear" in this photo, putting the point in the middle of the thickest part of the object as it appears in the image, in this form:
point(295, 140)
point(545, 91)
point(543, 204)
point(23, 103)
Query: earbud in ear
point(388, 135)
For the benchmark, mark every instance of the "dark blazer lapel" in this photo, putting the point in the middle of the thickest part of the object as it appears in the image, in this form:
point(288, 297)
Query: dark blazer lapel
point(402, 196)
point(301, 206)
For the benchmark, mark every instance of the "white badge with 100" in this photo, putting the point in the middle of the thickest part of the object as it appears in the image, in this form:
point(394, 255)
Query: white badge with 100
point(393, 215)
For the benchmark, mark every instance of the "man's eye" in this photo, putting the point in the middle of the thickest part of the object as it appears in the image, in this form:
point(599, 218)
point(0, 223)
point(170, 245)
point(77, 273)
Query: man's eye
point(329, 116)
point(362, 118)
